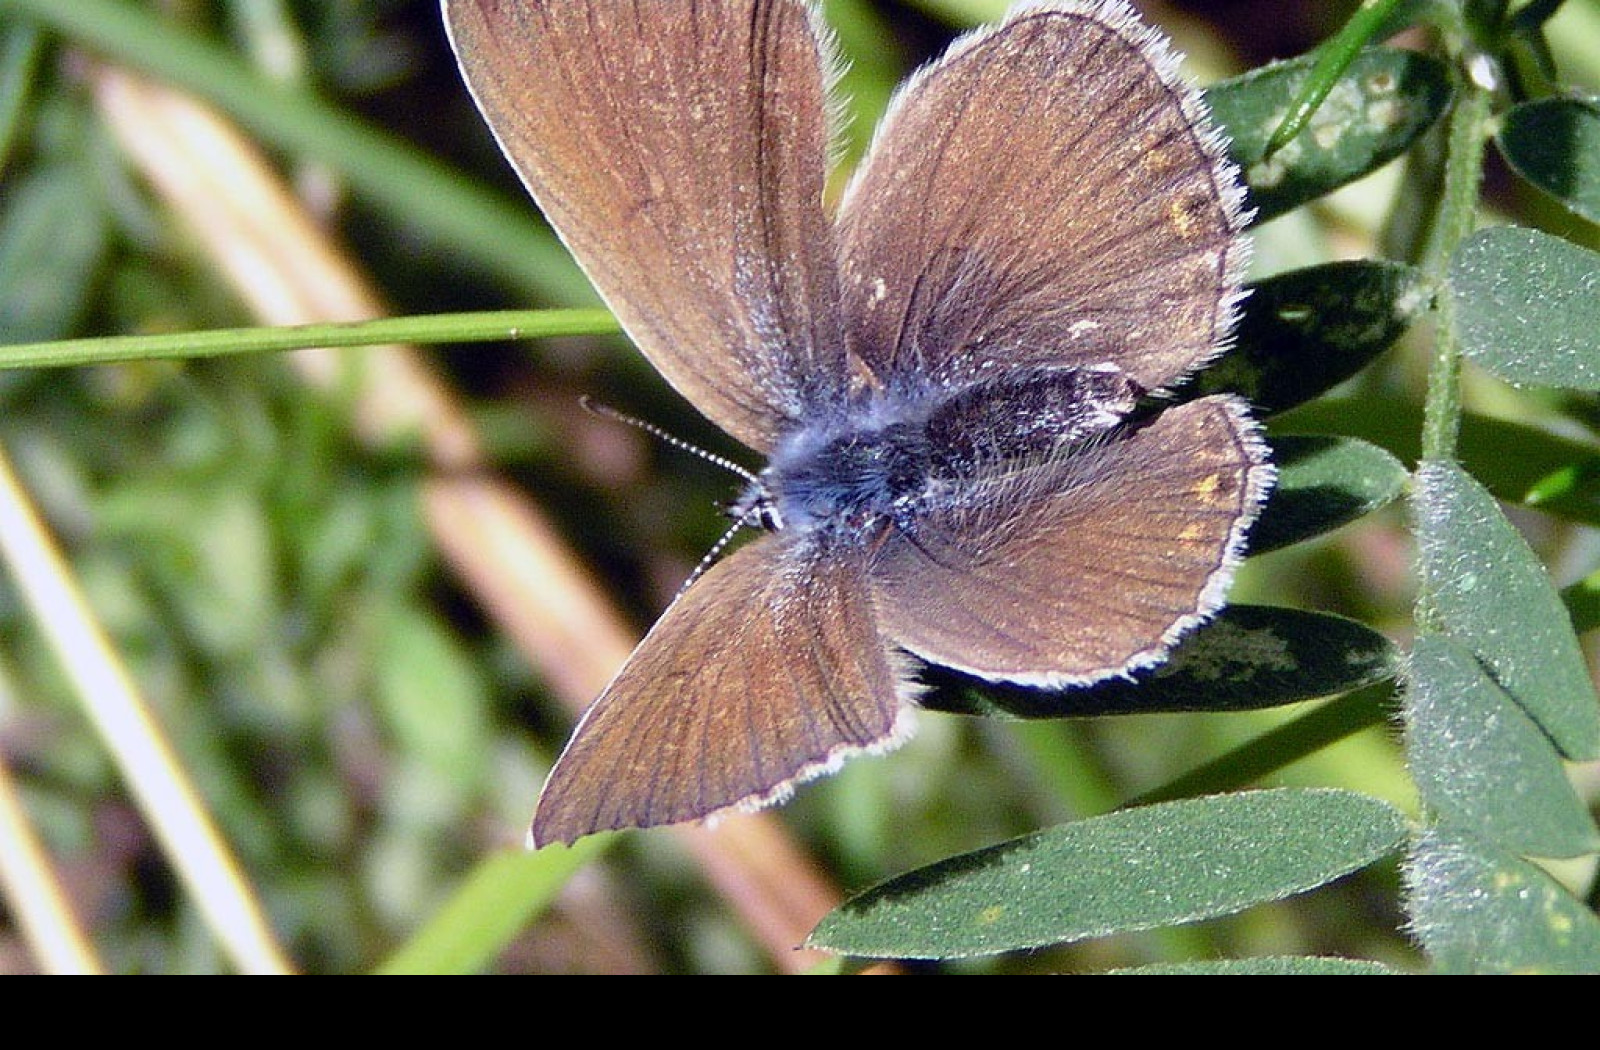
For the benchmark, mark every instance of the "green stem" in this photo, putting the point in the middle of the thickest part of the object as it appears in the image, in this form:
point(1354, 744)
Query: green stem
point(1456, 216)
point(1333, 58)
point(486, 326)
point(1273, 750)
point(1469, 122)
point(495, 902)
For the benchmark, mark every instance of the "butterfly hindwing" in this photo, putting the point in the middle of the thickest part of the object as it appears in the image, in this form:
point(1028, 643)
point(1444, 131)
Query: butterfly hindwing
point(768, 671)
point(1084, 564)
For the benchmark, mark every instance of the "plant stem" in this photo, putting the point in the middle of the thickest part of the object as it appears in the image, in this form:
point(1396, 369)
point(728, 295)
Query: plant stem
point(1309, 733)
point(485, 326)
point(1456, 216)
point(1469, 121)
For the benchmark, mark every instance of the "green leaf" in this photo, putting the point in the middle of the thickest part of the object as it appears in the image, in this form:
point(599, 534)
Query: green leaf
point(1517, 462)
point(1384, 101)
point(1489, 592)
point(502, 895)
point(20, 49)
point(1554, 143)
point(1582, 599)
point(431, 698)
point(1250, 656)
point(1131, 870)
point(1265, 966)
point(1479, 910)
point(1306, 331)
point(52, 235)
point(1323, 483)
point(1480, 763)
point(1570, 492)
point(1528, 307)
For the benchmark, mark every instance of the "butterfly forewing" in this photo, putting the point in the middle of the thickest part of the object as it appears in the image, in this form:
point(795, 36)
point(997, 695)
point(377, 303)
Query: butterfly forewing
point(678, 148)
point(768, 671)
point(1083, 565)
point(1046, 194)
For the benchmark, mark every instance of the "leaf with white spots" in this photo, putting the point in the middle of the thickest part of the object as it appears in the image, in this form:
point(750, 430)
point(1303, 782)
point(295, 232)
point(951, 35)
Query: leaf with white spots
point(1488, 591)
point(1385, 100)
point(1479, 762)
point(1131, 870)
point(1476, 910)
point(1528, 307)
point(1306, 331)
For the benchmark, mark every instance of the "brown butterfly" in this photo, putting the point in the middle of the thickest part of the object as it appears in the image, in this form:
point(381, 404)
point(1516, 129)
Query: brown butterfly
point(948, 377)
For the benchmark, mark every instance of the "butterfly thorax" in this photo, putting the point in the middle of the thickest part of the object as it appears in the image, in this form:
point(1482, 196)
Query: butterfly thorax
point(901, 449)
point(849, 478)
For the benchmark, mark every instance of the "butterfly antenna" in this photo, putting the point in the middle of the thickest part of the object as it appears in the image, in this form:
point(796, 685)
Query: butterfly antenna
point(717, 548)
point(744, 514)
point(676, 442)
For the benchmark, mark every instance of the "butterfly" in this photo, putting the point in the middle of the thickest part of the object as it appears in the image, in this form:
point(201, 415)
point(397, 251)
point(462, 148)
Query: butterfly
point(955, 377)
